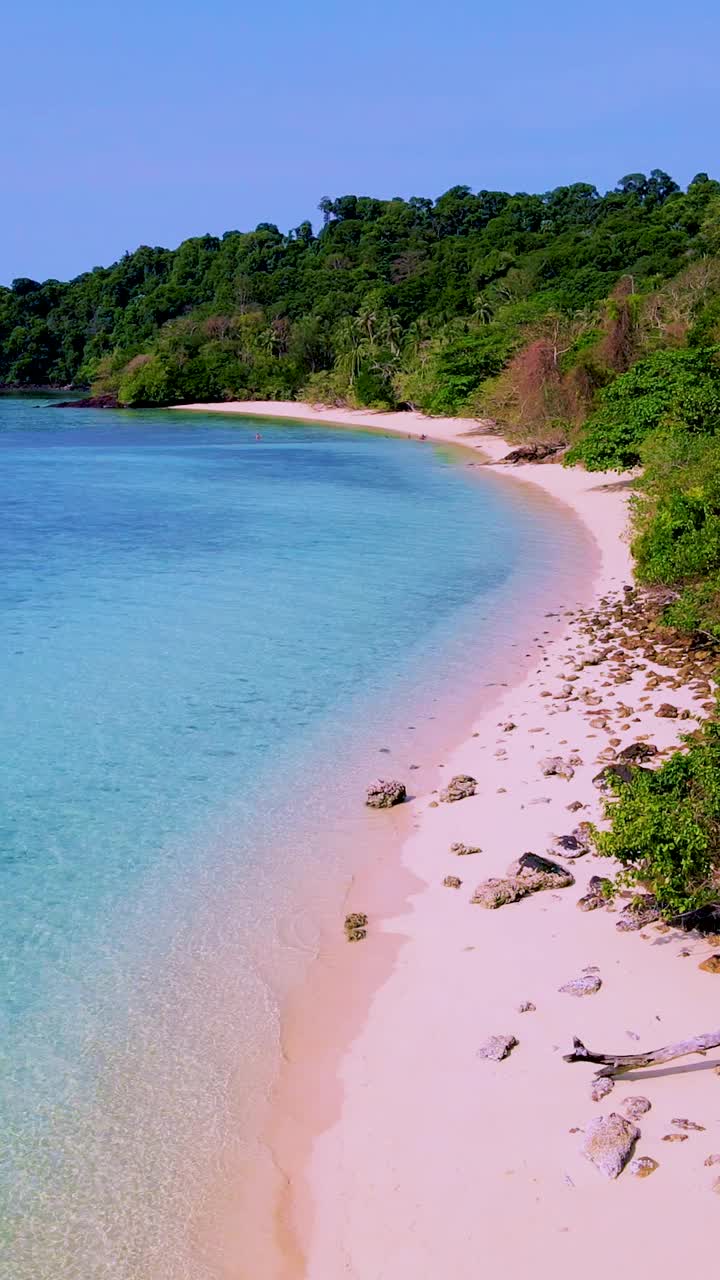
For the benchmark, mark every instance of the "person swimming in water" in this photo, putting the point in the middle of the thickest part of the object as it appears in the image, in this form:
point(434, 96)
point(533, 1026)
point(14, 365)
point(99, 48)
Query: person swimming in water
point(258, 436)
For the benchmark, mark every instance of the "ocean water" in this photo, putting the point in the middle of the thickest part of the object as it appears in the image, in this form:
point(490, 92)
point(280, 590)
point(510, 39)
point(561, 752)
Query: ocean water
point(210, 643)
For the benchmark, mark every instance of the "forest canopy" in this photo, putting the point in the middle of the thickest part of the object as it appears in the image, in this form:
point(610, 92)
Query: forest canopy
point(517, 306)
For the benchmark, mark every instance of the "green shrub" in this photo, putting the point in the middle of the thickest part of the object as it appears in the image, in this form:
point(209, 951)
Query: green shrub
point(674, 389)
point(666, 826)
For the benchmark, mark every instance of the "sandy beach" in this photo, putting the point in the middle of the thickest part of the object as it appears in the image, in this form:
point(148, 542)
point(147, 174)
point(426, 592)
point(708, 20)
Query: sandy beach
point(407, 1154)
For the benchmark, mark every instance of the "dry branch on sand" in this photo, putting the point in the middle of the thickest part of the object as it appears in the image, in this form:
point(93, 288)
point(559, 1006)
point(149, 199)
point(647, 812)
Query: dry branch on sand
point(617, 1064)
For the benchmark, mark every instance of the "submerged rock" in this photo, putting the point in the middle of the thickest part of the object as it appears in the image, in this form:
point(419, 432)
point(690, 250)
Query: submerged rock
point(497, 1047)
point(356, 926)
point(383, 795)
point(609, 1143)
point(459, 788)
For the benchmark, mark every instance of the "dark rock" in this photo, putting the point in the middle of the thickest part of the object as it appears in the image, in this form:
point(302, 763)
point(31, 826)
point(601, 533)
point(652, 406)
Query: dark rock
point(666, 711)
point(452, 882)
point(527, 1006)
point(383, 795)
point(638, 751)
point(705, 919)
point(613, 773)
point(89, 402)
point(459, 787)
point(532, 452)
point(555, 765)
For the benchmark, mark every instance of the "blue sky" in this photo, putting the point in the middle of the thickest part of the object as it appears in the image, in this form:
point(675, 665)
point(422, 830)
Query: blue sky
point(149, 122)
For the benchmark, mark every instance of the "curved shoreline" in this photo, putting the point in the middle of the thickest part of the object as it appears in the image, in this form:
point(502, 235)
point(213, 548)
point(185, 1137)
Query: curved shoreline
point(427, 1161)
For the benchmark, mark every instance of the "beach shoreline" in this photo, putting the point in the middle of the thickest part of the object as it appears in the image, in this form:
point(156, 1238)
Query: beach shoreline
point(402, 1153)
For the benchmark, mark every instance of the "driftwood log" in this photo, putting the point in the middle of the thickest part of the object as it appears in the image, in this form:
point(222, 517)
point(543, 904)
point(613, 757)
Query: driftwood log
point(616, 1064)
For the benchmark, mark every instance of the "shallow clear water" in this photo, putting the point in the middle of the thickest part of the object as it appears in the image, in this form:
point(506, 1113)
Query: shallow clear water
point(207, 638)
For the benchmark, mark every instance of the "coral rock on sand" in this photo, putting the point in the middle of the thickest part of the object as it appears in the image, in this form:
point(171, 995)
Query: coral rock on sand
point(459, 787)
point(529, 874)
point(383, 795)
point(463, 850)
point(601, 1088)
point(527, 1006)
point(556, 766)
point(497, 1047)
point(688, 1125)
point(643, 1166)
point(573, 846)
point(609, 1143)
point(587, 985)
point(666, 711)
point(452, 882)
point(636, 1107)
point(711, 965)
point(642, 911)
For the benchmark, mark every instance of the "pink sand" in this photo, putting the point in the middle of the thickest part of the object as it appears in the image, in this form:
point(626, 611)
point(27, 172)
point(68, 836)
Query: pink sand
point(420, 1160)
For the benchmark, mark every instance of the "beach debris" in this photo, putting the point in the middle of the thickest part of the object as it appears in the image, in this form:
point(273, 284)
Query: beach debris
point(452, 882)
point(496, 1048)
point(530, 874)
point(383, 795)
point(689, 1126)
point(643, 1166)
point(508, 728)
point(356, 926)
point(601, 1088)
point(609, 1143)
point(643, 910)
point(666, 711)
point(574, 806)
point(638, 751)
point(555, 766)
point(711, 965)
point(527, 1006)
point(464, 850)
point(586, 985)
point(459, 788)
point(675, 1137)
point(617, 1064)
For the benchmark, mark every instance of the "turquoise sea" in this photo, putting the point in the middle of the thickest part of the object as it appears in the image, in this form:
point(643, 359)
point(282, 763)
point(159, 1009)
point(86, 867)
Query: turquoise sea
point(210, 644)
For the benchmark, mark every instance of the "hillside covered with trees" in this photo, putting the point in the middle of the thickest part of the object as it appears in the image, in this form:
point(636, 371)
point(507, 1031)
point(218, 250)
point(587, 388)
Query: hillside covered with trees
point(590, 321)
